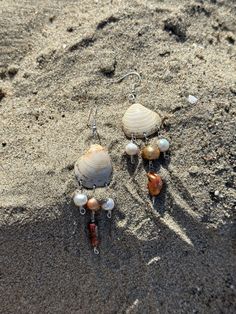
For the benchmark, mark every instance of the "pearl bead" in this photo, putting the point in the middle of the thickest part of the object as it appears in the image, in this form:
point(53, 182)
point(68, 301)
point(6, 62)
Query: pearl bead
point(150, 152)
point(131, 149)
point(93, 204)
point(163, 145)
point(108, 204)
point(80, 199)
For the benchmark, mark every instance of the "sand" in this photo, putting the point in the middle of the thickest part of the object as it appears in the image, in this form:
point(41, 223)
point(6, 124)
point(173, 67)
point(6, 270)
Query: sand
point(57, 61)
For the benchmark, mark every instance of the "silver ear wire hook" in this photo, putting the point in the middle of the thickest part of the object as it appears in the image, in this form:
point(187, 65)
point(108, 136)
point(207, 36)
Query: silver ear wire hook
point(132, 95)
point(92, 122)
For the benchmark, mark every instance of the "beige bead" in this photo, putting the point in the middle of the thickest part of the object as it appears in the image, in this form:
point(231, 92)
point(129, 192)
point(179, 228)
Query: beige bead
point(150, 152)
point(93, 204)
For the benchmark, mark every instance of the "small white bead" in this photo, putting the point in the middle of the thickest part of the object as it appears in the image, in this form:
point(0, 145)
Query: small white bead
point(108, 204)
point(163, 145)
point(131, 149)
point(80, 199)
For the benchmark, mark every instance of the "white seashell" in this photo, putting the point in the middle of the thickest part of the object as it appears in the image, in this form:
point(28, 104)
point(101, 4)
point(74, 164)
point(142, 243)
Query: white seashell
point(94, 167)
point(139, 120)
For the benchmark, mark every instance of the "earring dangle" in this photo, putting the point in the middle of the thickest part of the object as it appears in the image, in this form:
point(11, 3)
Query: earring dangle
point(93, 169)
point(139, 122)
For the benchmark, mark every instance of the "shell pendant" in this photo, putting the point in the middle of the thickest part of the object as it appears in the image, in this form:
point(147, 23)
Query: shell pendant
point(94, 168)
point(140, 121)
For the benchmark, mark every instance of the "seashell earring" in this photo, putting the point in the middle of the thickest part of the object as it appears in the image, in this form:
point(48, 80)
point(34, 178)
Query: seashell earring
point(92, 170)
point(139, 122)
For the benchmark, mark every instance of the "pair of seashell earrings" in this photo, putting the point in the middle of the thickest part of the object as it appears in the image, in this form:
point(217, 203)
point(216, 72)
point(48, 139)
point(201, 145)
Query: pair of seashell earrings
point(94, 168)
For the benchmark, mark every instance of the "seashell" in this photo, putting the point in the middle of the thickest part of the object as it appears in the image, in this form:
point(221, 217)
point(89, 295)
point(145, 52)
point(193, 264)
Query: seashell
point(94, 167)
point(139, 120)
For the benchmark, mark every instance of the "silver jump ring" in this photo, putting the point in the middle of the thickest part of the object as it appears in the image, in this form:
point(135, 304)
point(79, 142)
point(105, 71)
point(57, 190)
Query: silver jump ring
point(96, 251)
point(82, 210)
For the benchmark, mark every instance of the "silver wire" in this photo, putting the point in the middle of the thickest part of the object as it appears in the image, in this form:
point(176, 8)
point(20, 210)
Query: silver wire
point(150, 165)
point(81, 185)
point(92, 216)
point(94, 188)
point(146, 138)
point(82, 210)
point(166, 156)
point(96, 251)
point(74, 227)
point(109, 214)
point(92, 122)
point(153, 200)
point(132, 95)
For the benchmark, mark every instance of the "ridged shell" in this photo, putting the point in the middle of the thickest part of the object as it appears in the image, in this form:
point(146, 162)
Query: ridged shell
point(138, 120)
point(94, 167)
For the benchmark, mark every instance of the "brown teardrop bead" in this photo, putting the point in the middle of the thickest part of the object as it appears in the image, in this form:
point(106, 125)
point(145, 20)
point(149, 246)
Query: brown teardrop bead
point(93, 204)
point(150, 152)
point(155, 183)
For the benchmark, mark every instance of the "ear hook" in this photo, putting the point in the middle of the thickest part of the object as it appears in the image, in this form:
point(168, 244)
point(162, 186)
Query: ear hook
point(93, 123)
point(132, 95)
point(95, 109)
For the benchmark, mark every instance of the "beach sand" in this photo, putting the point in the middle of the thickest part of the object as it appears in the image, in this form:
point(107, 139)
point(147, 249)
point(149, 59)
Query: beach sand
point(58, 60)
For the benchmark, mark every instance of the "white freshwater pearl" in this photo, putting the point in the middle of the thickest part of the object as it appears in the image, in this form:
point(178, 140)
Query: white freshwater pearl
point(108, 204)
point(131, 149)
point(80, 199)
point(163, 145)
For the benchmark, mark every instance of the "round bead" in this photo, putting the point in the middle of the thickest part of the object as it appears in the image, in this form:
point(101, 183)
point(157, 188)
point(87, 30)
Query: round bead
point(80, 199)
point(108, 204)
point(131, 149)
point(150, 152)
point(163, 145)
point(93, 204)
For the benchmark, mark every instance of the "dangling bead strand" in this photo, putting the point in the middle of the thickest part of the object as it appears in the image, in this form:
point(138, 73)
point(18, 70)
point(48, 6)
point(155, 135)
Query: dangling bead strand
point(108, 205)
point(93, 235)
point(93, 205)
point(152, 152)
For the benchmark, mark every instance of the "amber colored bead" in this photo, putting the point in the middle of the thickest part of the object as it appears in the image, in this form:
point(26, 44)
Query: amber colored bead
point(155, 183)
point(93, 204)
point(150, 152)
point(93, 234)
